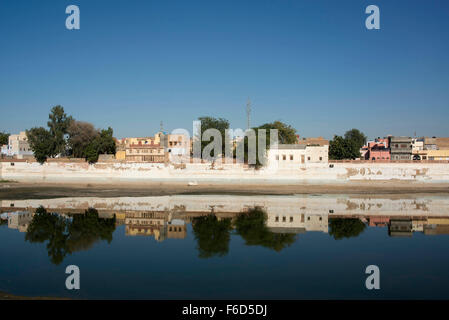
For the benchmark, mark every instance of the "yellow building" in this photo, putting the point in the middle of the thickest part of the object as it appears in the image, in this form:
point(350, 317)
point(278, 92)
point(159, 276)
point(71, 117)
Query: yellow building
point(120, 155)
point(143, 149)
point(437, 154)
point(433, 154)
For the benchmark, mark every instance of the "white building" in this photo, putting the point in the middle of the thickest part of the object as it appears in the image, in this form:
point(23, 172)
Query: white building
point(178, 147)
point(18, 145)
point(292, 155)
point(417, 145)
point(4, 149)
point(288, 222)
point(20, 220)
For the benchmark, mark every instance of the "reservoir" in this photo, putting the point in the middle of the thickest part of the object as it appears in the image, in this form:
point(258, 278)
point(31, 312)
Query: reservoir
point(209, 246)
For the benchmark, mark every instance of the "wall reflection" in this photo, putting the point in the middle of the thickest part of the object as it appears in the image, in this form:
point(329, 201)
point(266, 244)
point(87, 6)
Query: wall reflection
point(68, 225)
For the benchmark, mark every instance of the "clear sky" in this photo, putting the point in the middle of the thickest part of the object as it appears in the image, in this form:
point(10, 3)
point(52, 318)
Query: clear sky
point(312, 64)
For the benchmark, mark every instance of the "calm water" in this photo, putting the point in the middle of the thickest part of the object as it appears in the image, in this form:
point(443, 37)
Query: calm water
point(207, 246)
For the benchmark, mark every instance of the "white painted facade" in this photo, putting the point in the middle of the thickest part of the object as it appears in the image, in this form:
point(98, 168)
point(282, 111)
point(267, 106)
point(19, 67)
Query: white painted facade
point(294, 155)
point(18, 145)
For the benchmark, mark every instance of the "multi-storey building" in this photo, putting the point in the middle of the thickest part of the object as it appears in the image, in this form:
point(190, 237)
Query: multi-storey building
point(144, 149)
point(401, 148)
point(145, 153)
point(18, 145)
point(376, 150)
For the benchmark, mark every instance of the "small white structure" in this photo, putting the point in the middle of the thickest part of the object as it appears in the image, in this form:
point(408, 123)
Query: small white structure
point(292, 155)
point(4, 149)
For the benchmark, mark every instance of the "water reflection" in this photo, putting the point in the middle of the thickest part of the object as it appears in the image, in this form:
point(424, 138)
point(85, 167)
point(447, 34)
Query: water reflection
point(63, 234)
point(68, 225)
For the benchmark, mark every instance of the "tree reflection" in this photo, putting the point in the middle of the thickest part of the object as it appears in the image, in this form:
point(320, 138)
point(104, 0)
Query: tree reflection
point(68, 235)
point(251, 226)
point(88, 228)
point(212, 235)
point(341, 228)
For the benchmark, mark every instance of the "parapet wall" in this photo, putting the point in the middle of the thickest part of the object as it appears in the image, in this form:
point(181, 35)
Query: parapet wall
point(104, 172)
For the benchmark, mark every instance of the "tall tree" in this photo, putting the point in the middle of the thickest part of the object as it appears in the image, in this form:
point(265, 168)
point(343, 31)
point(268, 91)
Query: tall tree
point(356, 137)
point(102, 144)
point(58, 124)
point(41, 142)
point(348, 147)
point(286, 135)
point(81, 134)
point(4, 138)
point(214, 123)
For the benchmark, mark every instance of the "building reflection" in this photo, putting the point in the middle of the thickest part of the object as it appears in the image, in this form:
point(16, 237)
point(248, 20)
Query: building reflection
point(168, 217)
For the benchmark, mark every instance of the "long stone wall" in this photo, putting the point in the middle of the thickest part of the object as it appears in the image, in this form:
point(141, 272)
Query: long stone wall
point(66, 172)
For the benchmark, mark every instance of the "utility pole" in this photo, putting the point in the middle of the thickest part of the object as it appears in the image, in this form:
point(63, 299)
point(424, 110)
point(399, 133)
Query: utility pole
point(248, 113)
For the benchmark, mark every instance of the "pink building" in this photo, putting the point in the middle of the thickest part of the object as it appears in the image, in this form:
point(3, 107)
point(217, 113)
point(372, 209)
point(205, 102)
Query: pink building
point(377, 150)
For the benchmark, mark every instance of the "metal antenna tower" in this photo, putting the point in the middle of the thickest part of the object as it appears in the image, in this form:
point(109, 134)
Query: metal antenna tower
point(248, 113)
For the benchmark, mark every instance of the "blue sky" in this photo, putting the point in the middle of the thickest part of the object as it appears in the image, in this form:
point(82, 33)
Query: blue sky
point(312, 64)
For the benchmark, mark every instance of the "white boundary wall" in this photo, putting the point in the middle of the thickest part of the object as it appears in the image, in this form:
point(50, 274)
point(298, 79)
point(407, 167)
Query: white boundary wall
point(63, 172)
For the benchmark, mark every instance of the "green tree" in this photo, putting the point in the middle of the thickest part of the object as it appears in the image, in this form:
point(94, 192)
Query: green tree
point(356, 138)
point(81, 134)
point(41, 142)
point(4, 138)
point(214, 123)
point(341, 228)
point(286, 135)
point(102, 144)
point(251, 226)
point(348, 147)
point(212, 235)
point(58, 125)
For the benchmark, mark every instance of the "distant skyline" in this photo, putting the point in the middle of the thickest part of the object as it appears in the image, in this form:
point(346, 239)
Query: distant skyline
point(311, 64)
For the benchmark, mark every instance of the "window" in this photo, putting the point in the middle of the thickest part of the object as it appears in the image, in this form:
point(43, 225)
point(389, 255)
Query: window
point(284, 157)
point(284, 219)
point(276, 219)
point(291, 157)
point(308, 158)
point(321, 158)
point(291, 219)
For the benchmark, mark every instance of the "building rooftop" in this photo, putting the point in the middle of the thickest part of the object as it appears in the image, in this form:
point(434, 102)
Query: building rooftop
point(290, 146)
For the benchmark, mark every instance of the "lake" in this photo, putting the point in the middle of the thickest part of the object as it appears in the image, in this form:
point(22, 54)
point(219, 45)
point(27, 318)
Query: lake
point(227, 246)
